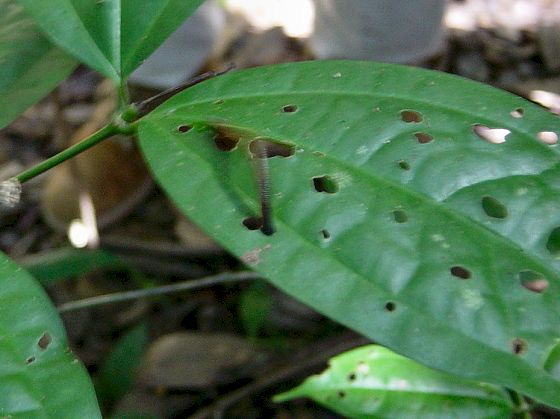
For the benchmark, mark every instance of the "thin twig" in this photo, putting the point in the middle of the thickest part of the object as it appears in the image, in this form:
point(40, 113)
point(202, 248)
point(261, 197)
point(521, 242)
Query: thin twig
point(522, 408)
point(208, 281)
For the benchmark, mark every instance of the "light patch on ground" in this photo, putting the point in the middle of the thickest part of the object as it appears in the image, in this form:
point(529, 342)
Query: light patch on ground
point(294, 16)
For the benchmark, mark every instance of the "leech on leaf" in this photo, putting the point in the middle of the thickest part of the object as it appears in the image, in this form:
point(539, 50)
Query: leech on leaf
point(263, 184)
point(226, 139)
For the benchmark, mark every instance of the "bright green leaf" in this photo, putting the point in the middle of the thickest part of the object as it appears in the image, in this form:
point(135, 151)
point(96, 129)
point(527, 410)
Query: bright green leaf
point(373, 382)
point(39, 376)
point(111, 36)
point(117, 371)
point(30, 66)
point(440, 281)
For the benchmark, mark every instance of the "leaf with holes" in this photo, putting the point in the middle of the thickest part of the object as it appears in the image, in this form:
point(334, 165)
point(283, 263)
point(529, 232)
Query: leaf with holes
point(111, 36)
point(39, 376)
point(373, 382)
point(30, 65)
point(445, 250)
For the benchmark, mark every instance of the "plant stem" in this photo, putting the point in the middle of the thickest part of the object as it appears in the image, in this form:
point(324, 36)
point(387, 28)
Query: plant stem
point(124, 96)
point(151, 292)
point(102, 134)
point(521, 406)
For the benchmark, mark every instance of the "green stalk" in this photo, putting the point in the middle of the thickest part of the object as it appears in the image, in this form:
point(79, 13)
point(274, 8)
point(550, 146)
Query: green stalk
point(124, 96)
point(522, 408)
point(102, 134)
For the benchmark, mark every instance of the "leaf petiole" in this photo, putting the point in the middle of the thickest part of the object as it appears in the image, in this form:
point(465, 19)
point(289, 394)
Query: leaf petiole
point(104, 133)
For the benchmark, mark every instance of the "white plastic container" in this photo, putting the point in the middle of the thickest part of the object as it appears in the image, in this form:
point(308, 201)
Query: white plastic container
point(382, 30)
point(184, 52)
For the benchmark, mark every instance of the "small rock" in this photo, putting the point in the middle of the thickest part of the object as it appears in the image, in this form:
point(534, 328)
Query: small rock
point(188, 360)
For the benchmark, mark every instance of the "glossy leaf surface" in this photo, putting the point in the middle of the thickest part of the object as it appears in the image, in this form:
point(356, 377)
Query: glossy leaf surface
point(30, 65)
point(111, 36)
point(379, 214)
point(373, 382)
point(39, 376)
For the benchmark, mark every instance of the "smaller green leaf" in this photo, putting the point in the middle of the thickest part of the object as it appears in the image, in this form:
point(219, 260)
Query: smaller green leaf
point(118, 370)
point(373, 382)
point(112, 37)
point(30, 66)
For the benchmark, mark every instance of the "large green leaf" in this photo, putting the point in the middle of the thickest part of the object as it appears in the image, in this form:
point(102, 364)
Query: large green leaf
point(30, 66)
point(39, 376)
point(111, 36)
point(427, 238)
point(373, 382)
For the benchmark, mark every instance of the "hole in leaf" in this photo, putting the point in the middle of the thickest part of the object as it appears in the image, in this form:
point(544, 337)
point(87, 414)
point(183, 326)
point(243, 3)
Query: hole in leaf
point(325, 184)
point(225, 139)
point(340, 394)
point(270, 148)
point(390, 306)
point(408, 115)
point(224, 143)
point(352, 376)
point(517, 113)
point(548, 137)
point(44, 341)
point(533, 281)
point(400, 216)
point(423, 138)
point(404, 165)
point(184, 128)
point(30, 360)
point(519, 346)
point(553, 242)
point(289, 108)
point(325, 234)
point(252, 223)
point(460, 272)
point(492, 135)
point(494, 208)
